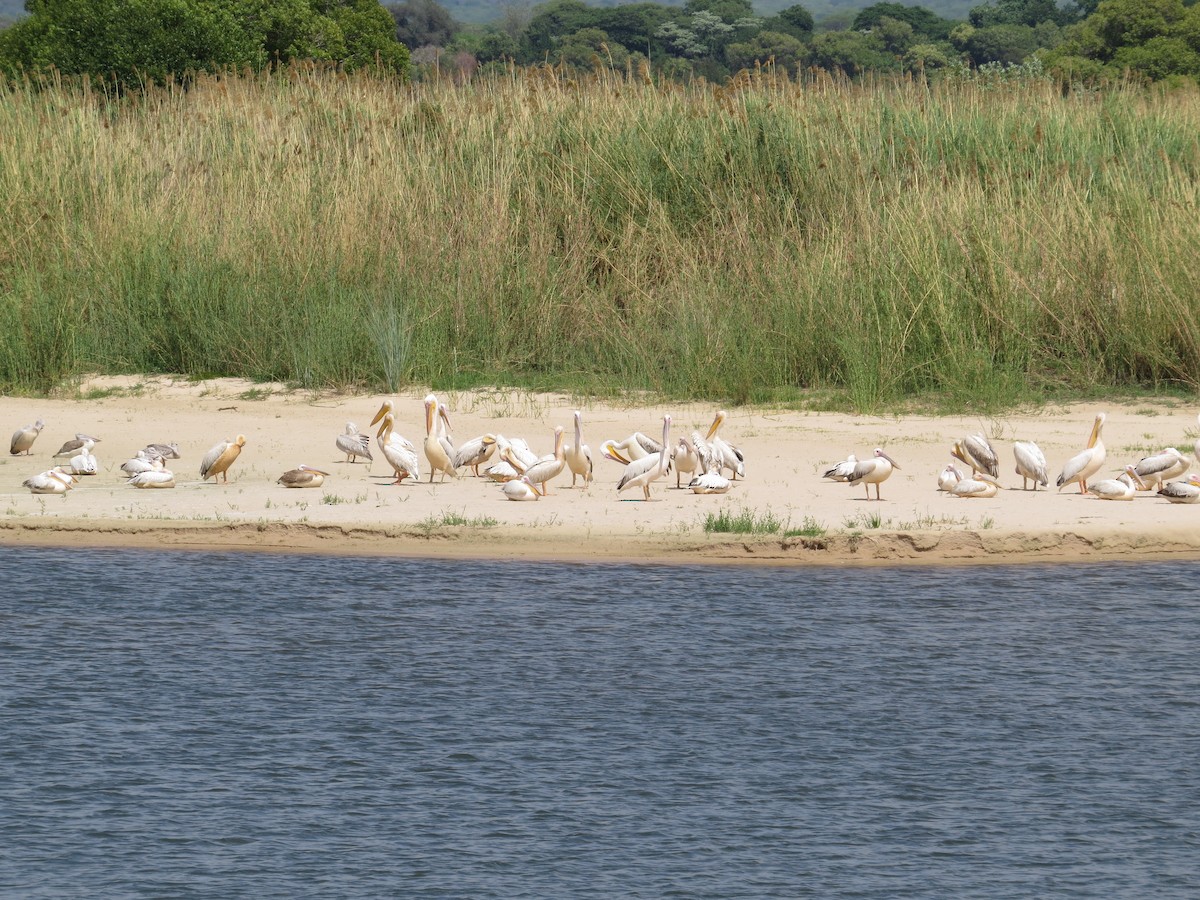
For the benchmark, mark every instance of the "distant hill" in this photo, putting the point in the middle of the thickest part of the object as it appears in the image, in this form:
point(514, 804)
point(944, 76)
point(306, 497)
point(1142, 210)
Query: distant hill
point(11, 9)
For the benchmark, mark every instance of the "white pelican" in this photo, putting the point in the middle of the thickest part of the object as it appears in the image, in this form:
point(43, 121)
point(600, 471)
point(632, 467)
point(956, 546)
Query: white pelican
point(687, 461)
point(520, 489)
point(220, 457)
point(53, 481)
point(399, 452)
point(949, 477)
point(710, 483)
point(579, 454)
point(981, 487)
point(872, 472)
point(976, 452)
point(302, 477)
point(1123, 487)
point(1161, 467)
point(502, 469)
point(1087, 462)
point(641, 472)
point(1186, 491)
point(146, 460)
point(636, 446)
point(842, 471)
point(520, 454)
point(166, 451)
point(440, 460)
point(546, 469)
point(727, 455)
point(23, 438)
point(475, 452)
point(72, 447)
point(354, 444)
point(162, 478)
point(1031, 464)
point(84, 463)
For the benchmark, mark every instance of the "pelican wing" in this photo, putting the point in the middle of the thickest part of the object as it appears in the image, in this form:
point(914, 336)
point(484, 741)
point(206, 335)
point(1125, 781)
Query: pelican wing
point(1075, 467)
point(978, 448)
point(211, 457)
point(1031, 462)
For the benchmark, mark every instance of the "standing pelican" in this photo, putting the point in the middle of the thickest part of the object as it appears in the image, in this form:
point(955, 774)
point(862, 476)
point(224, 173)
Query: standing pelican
point(220, 457)
point(435, 451)
point(727, 455)
point(1087, 462)
point(302, 477)
point(686, 460)
point(1186, 491)
point(976, 452)
point(520, 489)
point(400, 454)
point(641, 472)
point(872, 472)
point(1031, 464)
point(842, 471)
point(354, 444)
point(84, 463)
point(72, 447)
point(545, 469)
point(53, 481)
point(23, 438)
point(161, 478)
point(1123, 487)
point(475, 452)
point(949, 477)
point(579, 454)
point(1161, 467)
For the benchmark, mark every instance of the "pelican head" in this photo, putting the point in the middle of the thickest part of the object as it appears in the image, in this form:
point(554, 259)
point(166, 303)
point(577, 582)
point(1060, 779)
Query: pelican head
point(387, 408)
point(444, 415)
point(304, 468)
point(609, 451)
point(879, 452)
point(1095, 435)
point(386, 425)
point(717, 421)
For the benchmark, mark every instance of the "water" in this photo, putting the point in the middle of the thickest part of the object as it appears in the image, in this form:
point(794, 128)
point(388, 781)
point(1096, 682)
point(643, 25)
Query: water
point(220, 725)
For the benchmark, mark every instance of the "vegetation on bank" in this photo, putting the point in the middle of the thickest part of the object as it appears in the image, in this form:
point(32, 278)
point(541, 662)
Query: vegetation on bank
point(980, 242)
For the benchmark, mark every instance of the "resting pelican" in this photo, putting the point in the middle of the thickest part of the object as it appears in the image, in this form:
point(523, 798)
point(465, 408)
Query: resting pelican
point(1186, 491)
point(70, 448)
point(1161, 467)
point(162, 478)
point(475, 452)
point(710, 483)
point(545, 469)
point(727, 455)
point(53, 481)
point(1031, 464)
point(302, 477)
point(981, 487)
point(400, 454)
point(440, 460)
point(520, 489)
point(949, 477)
point(842, 471)
point(1086, 463)
point(166, 451)
point(354, 444)
point(220, 457)
point(641, 472)
point(23, 438)
point(1122, 487)
point(976, 452)
point(872, 472)
point(145, 461)
point(84, 463)
point(579, 454)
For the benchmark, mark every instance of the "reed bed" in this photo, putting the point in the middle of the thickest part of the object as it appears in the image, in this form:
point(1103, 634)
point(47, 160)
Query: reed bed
point(967, 242)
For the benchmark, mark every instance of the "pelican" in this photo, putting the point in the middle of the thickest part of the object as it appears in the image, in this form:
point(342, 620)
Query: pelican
point(166, 451)
point(641, 472)
point(976, 452)
point(302, 477)
point(710, 483)
point(636, 446)
point(220, 457)
point(354, 444)
point(23, 438)
point(842, 471)
point(980, 487)
point(520, 454)
point(162, 478)
point(84, 463)
point(520, 489)
point(872, 472)
point(146, 460)
point(70, 448)
point(1186, 491)
point(579, 454)
point(400, 454)
point(440, 460)
point(1087, 462)
point(1031, 464)
point(53, 481)
point(687, 459)
point(1123, 487)
point(727, 455)
point(502, 469)
point(949, 477)
point(1161, 467)
point(546, 469)
point(475, 452)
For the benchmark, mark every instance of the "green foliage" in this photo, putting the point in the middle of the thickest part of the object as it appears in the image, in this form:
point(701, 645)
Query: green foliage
point(1020, 12)
point(1005, 44)
point(795, 21)
point(747, 521)
point(851, 52)
point(1157, 39)
point(423, 22)
point(783, 49)
point(923, 22)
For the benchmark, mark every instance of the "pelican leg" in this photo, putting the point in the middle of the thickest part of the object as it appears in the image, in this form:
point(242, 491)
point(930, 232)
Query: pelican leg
point(867, 487)
point(646, 490)
point(877, 497)
point(1082, 486)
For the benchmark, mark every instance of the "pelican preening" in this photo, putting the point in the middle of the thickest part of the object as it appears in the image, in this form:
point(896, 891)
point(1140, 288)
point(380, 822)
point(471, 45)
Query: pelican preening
point(84, 463)
point(220, 457)
point(1031, 464)
point(872, 471)
point(438, 449)
point(302, 477)
point(475, 452)
point(547, 468)
point(642, 472)
point(356, 446)
point(976, 452)
point(842, 471)
point(147, 460)
point(23, 438)
point(727, 455)
point(53, 481)
point(1185, 491)
point(1087, 462)
point(1123, 487)
point(399, 452)
point(949, 477)
point(72, 447)
point(579, 454)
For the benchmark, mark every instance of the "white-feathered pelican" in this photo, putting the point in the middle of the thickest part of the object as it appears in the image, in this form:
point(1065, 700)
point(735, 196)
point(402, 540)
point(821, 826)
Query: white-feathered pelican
point(53, 481)
point(1185, 491)
point(872, 471)
point(160, 478)
point(710, 483)
point(220, 457)
point(1087, 462)
point(73, 446)
point(641, 472)
point(949, 477)
point(1161, 467)
point(399, 452)
point(440, 460)
point(84, 463)
point(544, 470)
point(1031, 464)
point(976, 452)
point(23, 438)
point(579, 454)
point(1123, 487)
point(302, 477)
point(519, 489)
point(475, 452)
point(979, 487)
point(727, 455)
point(353, 444)
point(842, 471)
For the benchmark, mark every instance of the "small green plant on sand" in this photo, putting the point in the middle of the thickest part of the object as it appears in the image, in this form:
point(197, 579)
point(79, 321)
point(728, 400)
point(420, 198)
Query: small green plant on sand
point(744, 522)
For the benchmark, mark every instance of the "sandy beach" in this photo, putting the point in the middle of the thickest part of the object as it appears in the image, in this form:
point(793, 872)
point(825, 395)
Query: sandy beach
point(358, 511)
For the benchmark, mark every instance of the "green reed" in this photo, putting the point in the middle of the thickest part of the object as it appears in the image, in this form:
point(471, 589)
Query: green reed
point(881, 241)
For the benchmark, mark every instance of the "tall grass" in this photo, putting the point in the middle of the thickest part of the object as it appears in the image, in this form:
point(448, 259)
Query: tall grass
point(981, 243)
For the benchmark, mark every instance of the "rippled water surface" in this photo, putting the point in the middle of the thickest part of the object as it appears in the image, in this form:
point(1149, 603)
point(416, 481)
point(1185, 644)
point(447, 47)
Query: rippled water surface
point(179, 725)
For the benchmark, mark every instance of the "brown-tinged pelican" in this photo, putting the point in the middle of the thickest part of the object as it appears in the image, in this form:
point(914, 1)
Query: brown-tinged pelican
point(440, 460)
point(72, 447)
point(1123, 487)
point(727, 455)
point(166, 451)
point(475, 452)
point(23, 438)
point(1031, 464)
point(220, 457)
point(1087, 462)
point(353, 444)
point(1185, 491)
point(520, 489)
point(641, 472)
point(976, 452)
point(579, 454)
point(399, 452)
point(53, 481)
point(302, 477)
point(546, 469)
point(872, 471)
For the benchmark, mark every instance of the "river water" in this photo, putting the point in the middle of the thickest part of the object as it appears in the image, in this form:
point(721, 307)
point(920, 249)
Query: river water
point(221, 725)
